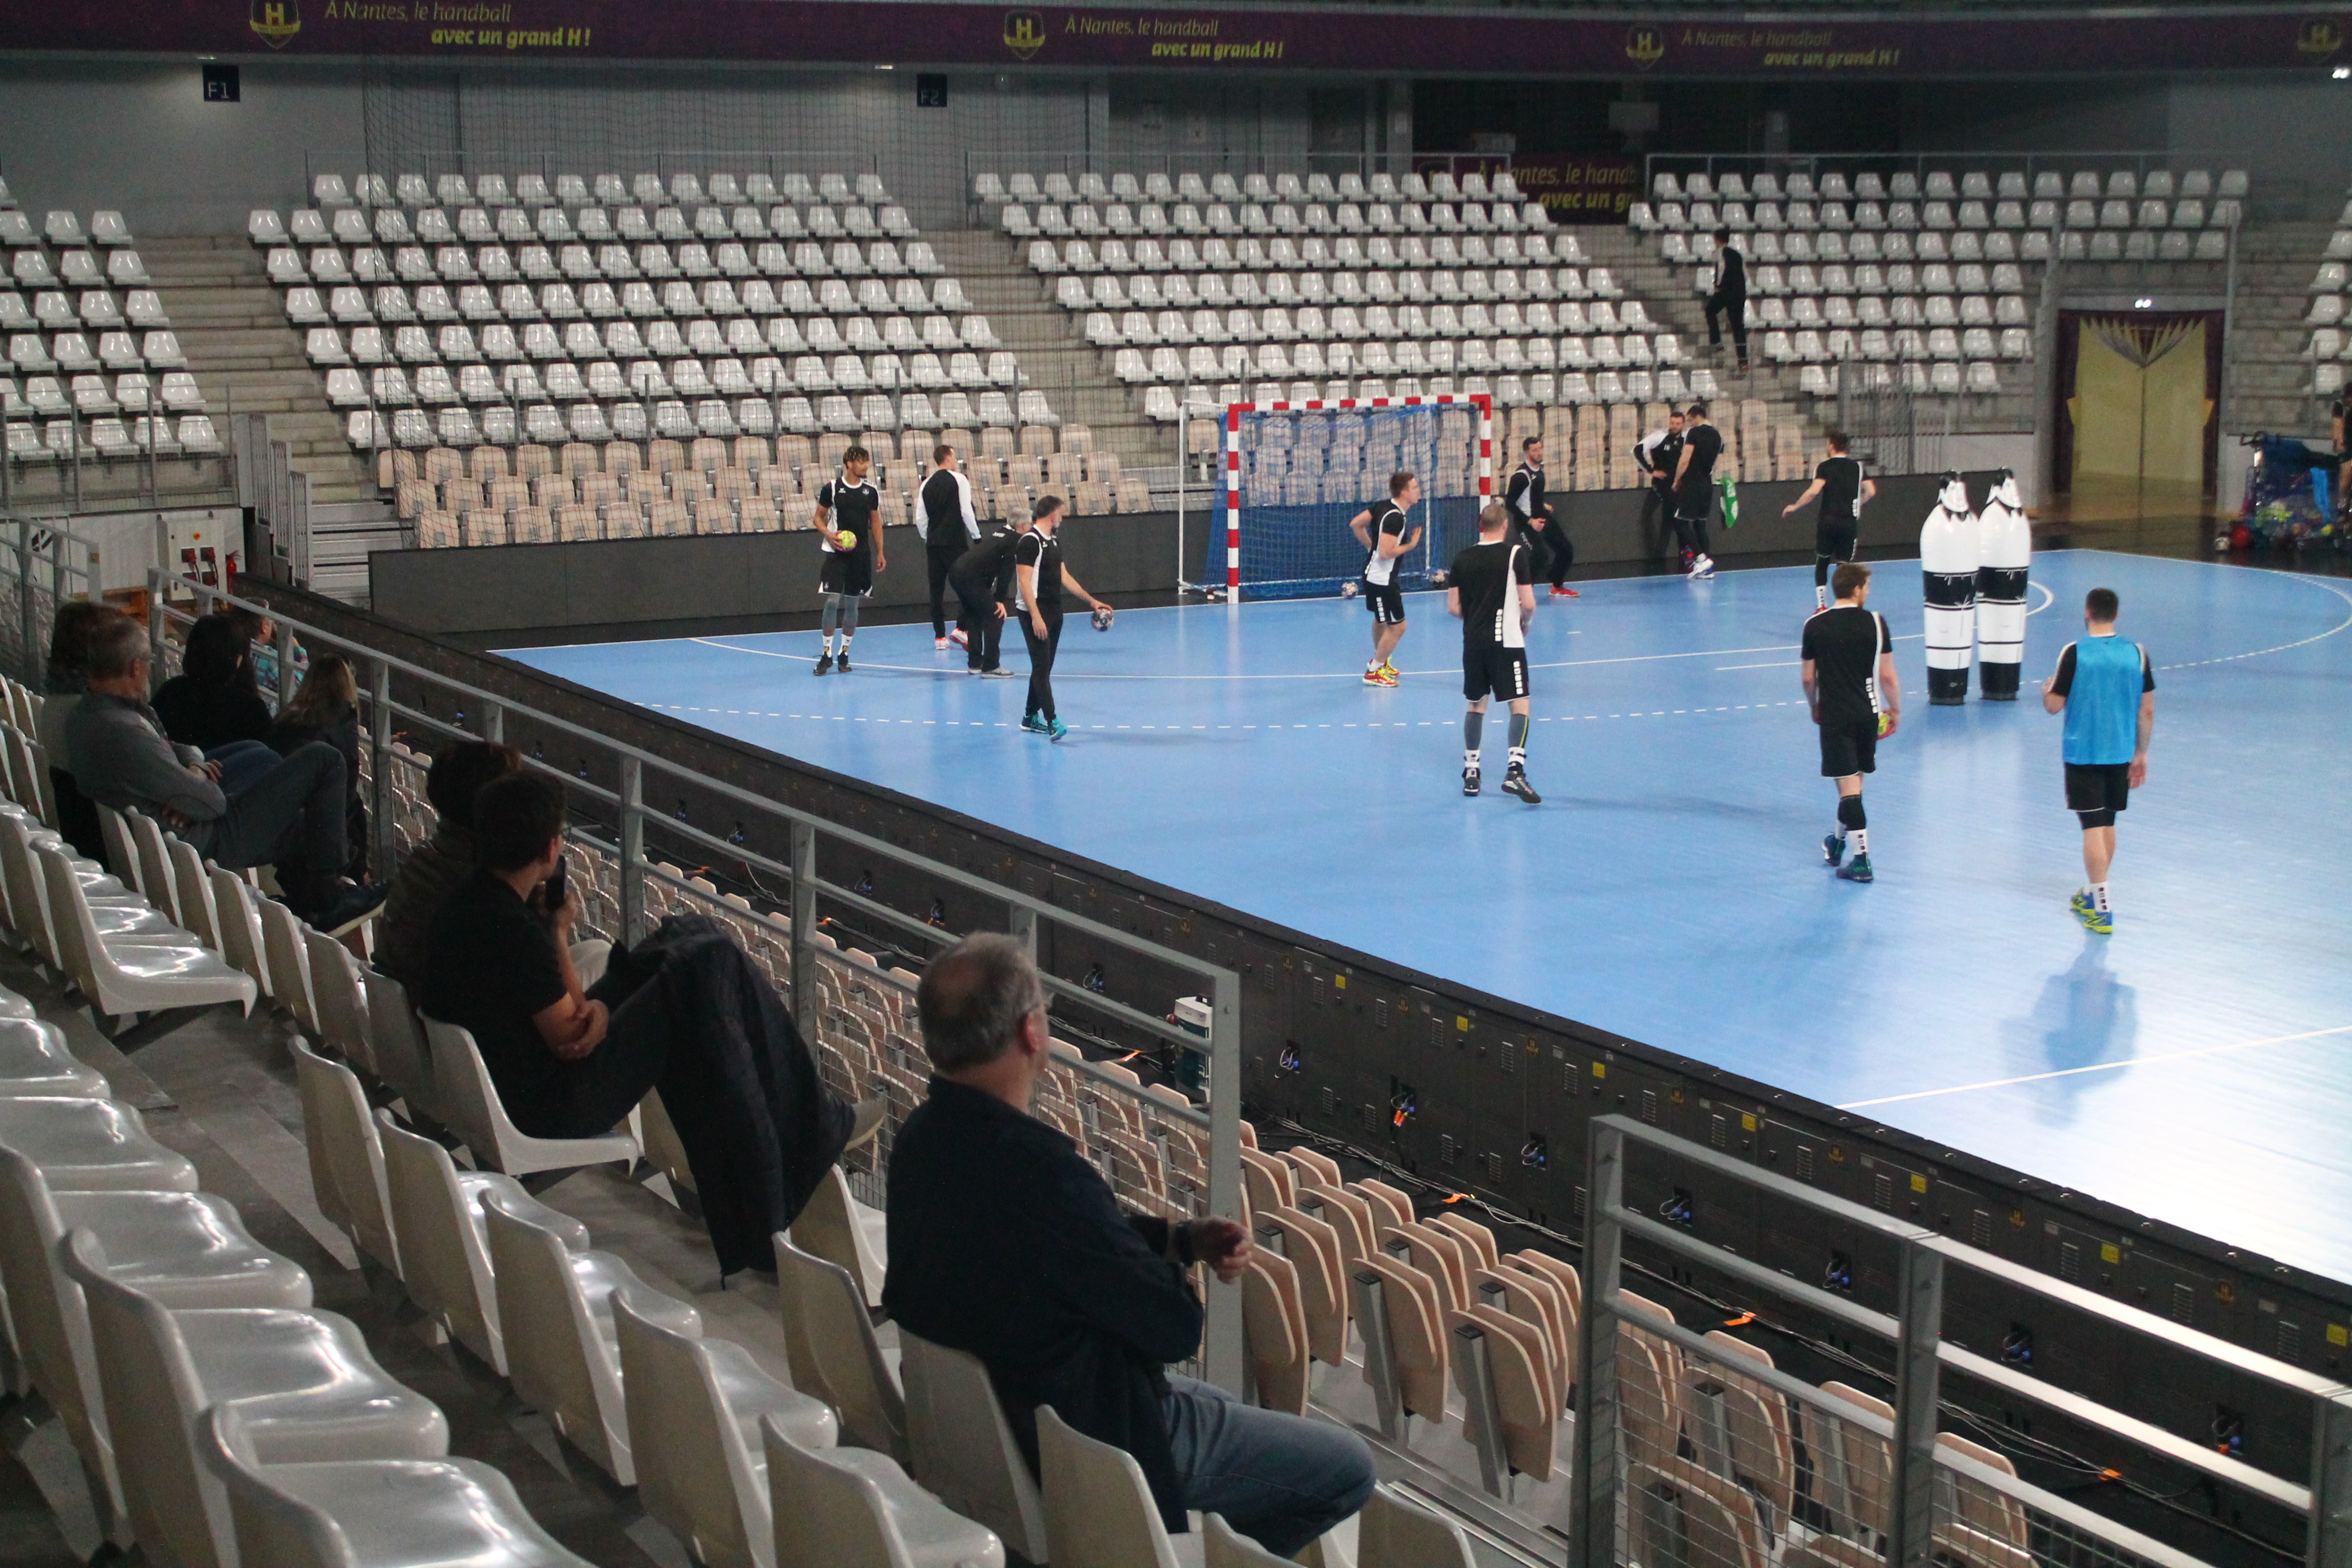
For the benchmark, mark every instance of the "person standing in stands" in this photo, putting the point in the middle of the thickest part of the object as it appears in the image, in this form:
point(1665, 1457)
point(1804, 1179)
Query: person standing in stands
point(1728, 298)
point(943, 516)
point(849, 534)
point(1006, 1244)
point(1041, 575)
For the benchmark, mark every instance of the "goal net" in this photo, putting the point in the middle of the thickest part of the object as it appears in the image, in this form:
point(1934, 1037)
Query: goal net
point(1296, 472)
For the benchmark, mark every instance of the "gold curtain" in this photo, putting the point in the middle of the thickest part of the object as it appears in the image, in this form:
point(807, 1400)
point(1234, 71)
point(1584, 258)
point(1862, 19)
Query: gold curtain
point(2139, 407)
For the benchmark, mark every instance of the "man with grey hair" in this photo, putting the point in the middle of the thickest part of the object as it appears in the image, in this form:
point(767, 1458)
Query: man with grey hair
point(1005, 1243)
point(290, 815)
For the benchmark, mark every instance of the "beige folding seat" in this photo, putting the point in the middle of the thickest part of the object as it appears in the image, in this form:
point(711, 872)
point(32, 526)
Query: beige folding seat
point(1394, 1533)
point(1416, 1333)
point(1274, 1332)
point(846, 1508)
point(1312, 1246)
point(961, 1448)
point(1524, 1398)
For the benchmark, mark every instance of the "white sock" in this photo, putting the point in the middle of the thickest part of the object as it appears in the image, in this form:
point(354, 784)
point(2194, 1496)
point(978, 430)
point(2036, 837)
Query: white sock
point(1859, 840)
point(1820, 597)
point(2098, 891)
point(1518, 757)
point(828, 645)
point(1470, 761)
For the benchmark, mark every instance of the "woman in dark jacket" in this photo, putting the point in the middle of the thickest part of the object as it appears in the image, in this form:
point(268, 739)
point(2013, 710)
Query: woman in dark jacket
point(212, 701)
point(326, 707)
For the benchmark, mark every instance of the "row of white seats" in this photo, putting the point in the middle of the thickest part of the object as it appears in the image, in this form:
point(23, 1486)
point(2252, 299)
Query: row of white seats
point(600, 301)
point(1151, 220)
point(1472, 356)
point(68, 440)
point(1975, 184)
point(608, 381)
point(1815, 345)
point(683, 189)
point(1142, 290)
point(77, 269)
point(671, 419)
point(1439, 320)
point(132, 391)
point(1830, 245)
point(1283, 254)
point(62, 228)
point(554, 226)
point(1943, 378)
point(1537, 390)
point(1900, 277)
point(29, 352)
point(2330, 342)
point(1706, 217)
point(1901, 310)
point(286, 265)
point(991, 189)
point(54, 310)
point(662, 339)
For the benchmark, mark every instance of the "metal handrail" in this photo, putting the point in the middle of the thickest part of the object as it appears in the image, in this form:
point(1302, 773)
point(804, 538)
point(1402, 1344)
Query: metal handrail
point(1914, 1329)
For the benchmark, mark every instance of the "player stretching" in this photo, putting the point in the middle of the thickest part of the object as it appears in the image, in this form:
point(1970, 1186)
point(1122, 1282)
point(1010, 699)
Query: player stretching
point(1694, 487)
point(1382, 528)
point(849, 533)
point(1533, 518)
point(1490, 586)
point(1850, 684)
point(2106, 689)
point(1838, 526)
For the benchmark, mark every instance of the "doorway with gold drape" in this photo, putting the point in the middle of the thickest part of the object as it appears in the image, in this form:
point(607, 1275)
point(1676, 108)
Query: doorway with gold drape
point(2137, 393)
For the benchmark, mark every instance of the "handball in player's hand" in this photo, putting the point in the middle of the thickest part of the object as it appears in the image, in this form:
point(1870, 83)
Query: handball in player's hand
point(1885, 722)
point(844, 540)
point(1103, 614)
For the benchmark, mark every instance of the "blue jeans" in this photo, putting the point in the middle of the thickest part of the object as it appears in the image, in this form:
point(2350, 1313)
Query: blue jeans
point(241, 763)
point(1282, 1480)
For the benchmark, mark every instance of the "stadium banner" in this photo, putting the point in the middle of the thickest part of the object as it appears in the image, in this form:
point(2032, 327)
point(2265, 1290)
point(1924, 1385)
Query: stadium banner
point(1578, 187)
point(1219, 41)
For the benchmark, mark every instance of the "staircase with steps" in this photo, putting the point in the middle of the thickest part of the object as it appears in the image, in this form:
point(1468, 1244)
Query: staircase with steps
point(2268, 376)
point(1051, 345)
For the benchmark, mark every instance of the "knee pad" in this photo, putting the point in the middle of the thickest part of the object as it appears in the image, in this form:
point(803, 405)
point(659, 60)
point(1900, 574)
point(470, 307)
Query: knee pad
point(2104, 817)
point(1850, 812)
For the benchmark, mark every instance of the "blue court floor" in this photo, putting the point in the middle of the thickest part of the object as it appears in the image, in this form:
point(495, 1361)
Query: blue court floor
point(2196, 1066)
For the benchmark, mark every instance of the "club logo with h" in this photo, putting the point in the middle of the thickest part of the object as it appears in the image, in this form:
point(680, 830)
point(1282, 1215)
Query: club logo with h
point(276, 21)
point(1645, 46)
point(1024, 32)
point(2317, 40)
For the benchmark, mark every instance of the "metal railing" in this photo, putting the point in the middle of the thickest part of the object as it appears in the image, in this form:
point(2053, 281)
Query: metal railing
point(42, 564)
point(1169, 1157)
point(1684, 1443)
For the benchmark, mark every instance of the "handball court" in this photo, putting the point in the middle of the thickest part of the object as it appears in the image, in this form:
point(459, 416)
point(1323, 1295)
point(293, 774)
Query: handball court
point(2197, 1066)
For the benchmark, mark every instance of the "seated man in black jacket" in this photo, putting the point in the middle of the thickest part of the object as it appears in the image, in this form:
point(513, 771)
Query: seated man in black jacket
point(1006, 1244)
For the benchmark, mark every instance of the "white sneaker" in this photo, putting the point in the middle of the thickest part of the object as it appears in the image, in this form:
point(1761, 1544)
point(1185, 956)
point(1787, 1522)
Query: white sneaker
point(1702, 567)
point(941, 644)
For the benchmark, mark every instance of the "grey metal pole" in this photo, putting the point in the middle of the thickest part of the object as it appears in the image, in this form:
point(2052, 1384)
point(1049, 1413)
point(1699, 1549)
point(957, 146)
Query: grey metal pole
point(494, 722)
point(633, 850)
point(1594, 1456)
point(25, 627)
point(286, 681)
point(2330, 1543)
point(1485, 1425)
point(1380, 1357)
point(1023, 928)
point(1920, 1310)
point(156, 579)
point(804, 930)
point(387, 835)
point(1223, 1359)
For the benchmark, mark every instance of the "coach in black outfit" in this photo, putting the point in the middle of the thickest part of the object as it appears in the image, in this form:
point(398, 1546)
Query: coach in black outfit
point(946, 522)
point(1730, 297)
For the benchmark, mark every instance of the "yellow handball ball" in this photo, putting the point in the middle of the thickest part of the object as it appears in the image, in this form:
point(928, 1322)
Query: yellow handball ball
point(844, 540)
point(1884, 720)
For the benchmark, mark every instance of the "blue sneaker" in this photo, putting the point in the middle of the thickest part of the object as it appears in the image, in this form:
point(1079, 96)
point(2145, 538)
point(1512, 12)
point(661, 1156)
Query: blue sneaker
point(1057, 728)
point(1033, 724)
point(1832, 848)
point(1859, 871)
point(2096, 921)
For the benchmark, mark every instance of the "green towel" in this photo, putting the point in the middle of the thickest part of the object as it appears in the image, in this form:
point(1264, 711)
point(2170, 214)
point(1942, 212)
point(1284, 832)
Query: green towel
point(1731, 501)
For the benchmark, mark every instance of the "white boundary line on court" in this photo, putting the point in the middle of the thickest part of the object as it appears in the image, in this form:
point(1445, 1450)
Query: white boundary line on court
point(2099, 1066)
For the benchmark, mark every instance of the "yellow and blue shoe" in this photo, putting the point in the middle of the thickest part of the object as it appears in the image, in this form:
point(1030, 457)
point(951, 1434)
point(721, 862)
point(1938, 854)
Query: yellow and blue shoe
point(2099, 922)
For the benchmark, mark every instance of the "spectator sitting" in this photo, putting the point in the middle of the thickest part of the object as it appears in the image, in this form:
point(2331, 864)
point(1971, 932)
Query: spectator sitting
point(438, 867)
point(289, 815)
point(66, 679)
point(684, 1012)
point(326, 707)
point(213, 705)
point(260, 635)
point(1005, 1243)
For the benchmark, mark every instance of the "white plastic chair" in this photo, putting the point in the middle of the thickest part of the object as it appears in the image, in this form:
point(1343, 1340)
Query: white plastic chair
point(347, 1173)
point(838, 1228)
point(396, 1038)
point(444, 1241)
point(337, 999)
point(195, 892)
point(308, 1385)
point(371, 1513)
point(469, 1104)
point(186, 1250)
point(1099, 1510)
point(853, 1508)
point(35, 1064)
point(829, 1338)
point(1223, 1546)
point(92, 1146)
point(123, 975)
point(240, 925)
point(1393, 1533)
point(961, 1447)
point(693, 1405)
point(555, 1309)
point(289, 962)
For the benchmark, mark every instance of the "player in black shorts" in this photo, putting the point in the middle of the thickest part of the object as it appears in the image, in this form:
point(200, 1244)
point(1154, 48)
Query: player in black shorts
point(1850, 684)
point(1382, 530)
point(1694, 487)
point(847, 509)
point(1844, 492)
point(1491, 586)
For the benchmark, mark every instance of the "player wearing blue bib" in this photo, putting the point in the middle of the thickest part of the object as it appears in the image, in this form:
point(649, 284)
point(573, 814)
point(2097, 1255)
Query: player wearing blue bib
point(2106, 687)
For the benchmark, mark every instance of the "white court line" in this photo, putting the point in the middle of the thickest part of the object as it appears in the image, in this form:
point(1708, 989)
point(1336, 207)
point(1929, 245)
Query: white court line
point(2100, 1067)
